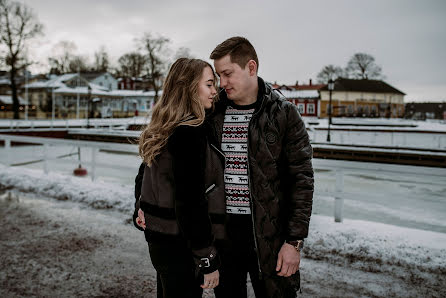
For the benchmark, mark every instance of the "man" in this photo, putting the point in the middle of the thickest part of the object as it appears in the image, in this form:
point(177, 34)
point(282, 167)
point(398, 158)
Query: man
point(268, 178)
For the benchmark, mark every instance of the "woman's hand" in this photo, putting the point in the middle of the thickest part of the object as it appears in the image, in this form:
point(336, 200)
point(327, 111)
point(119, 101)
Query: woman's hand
point(211, 280)
point(140, 220)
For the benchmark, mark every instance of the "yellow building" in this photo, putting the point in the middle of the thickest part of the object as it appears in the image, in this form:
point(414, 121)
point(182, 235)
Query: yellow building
point(362, 98)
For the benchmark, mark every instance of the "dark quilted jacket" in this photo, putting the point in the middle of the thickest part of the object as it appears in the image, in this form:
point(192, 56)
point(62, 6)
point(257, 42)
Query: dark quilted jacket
point(281, 176)
point(182, 194)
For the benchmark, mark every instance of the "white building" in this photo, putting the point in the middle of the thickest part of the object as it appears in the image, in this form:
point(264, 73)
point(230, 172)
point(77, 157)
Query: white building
point(76, 97)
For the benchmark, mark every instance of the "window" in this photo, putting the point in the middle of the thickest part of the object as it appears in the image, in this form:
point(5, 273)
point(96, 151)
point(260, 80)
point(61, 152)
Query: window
point(301, 108)
point(366, 110)
point(310, 108)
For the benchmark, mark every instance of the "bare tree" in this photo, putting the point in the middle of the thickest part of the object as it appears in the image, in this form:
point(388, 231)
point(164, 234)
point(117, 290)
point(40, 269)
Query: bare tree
point(63, 52)
point(156, 49)
point(183, 52)
point(131, 65)
point(18, 25)
point(363, 66)
point(101, 60)
point(329, 72)
point(79, 63)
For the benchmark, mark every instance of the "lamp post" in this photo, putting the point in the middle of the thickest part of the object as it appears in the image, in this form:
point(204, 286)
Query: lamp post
point(330, 107)
point(88, 106)
point(26, 94)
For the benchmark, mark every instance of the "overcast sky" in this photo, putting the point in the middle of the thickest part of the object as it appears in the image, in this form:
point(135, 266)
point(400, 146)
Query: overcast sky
point(294, 39)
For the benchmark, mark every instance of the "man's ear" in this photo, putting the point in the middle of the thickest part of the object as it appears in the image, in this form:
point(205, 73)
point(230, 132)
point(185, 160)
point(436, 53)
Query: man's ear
point(252, 67)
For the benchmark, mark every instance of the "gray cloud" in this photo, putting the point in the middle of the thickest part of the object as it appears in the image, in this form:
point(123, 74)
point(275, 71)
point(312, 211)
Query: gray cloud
point(294, 39)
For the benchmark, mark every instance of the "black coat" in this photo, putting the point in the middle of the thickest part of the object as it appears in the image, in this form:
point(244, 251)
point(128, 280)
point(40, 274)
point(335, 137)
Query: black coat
point(182, 194)
point(280, 173)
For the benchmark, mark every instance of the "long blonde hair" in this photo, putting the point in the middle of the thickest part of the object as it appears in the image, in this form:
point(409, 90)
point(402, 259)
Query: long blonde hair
point(178, 105)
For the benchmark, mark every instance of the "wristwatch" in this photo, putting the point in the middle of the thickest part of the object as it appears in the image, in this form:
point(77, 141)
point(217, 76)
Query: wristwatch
point(298, 244)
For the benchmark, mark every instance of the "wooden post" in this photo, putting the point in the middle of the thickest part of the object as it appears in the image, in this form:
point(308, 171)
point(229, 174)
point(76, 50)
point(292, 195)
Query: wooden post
point(45, 158)
point(8, 150)
point(93, 163)
point(339, 200)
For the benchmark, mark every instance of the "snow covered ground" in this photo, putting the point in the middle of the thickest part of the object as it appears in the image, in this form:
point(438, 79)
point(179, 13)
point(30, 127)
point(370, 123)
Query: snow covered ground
point(391, 243)
point(406, 196)
point(358, 257)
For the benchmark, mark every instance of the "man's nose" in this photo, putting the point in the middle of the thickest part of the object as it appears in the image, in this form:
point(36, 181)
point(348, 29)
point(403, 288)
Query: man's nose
point(222, 82)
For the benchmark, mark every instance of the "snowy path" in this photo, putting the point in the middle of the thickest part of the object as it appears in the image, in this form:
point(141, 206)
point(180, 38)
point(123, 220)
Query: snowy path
point(88, 252)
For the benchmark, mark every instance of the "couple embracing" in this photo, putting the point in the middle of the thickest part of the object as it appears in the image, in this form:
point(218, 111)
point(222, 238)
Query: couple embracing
point(226, 184)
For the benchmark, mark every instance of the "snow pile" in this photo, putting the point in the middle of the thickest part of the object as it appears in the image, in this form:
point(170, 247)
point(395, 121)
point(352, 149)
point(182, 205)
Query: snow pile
point(98, 195)
point(415, 256)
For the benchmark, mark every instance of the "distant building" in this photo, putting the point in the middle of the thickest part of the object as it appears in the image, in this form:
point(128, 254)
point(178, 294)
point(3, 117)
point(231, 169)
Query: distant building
point(6, 110)
point(425, 110)
point(128, 83)
point(103, 79)
point(362, 98)
point(305, 97)
point(73, 93)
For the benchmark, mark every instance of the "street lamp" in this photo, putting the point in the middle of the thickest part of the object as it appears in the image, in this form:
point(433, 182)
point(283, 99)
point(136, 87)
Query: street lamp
point(88, 106)
point(330, 108)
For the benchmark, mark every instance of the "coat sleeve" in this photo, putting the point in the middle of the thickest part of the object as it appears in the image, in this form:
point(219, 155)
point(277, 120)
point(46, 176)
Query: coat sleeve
point(138, 184)
point(188, 148)
point(299, 175)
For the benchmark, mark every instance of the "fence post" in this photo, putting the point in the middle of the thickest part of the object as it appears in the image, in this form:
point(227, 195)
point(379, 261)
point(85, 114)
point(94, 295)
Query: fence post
point(45, 158)
point(339, 200)
point(8, 150)
point(93, 163)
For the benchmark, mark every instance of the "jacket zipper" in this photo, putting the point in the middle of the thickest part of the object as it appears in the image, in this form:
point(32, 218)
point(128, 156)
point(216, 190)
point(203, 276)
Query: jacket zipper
point(256, 246)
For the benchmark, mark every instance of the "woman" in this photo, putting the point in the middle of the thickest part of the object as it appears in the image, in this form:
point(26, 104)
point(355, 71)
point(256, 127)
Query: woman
point(182, 186)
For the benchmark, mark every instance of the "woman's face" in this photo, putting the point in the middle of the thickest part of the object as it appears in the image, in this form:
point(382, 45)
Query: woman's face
point(206, 88)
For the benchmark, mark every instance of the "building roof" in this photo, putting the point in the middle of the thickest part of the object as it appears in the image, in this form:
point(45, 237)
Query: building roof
point(300, 93)
point(364, 85)
point(53, 82)
point(92, 75)
point(57, 83)
point(95, 90)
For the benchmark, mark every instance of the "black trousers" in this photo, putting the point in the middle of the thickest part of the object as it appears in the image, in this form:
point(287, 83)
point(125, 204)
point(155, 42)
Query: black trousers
point(176, 276)
point(238, 257)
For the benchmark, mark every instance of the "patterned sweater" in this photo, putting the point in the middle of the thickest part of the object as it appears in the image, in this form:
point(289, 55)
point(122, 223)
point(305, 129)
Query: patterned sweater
point(235, 146)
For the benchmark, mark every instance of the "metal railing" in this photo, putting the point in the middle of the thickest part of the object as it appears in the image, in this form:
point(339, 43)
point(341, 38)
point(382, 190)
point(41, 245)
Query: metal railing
point(37, 124)
point(336, 166)
point(47, 142)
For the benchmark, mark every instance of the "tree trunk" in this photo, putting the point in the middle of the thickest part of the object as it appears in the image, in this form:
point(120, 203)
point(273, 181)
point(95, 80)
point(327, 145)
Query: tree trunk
point(156, 94)
point(15, 99)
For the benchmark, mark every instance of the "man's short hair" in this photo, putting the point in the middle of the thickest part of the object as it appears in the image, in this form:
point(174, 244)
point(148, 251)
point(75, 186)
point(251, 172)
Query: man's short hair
point(240, 51)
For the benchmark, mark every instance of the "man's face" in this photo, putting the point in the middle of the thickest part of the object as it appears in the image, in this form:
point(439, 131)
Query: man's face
point(234, 79)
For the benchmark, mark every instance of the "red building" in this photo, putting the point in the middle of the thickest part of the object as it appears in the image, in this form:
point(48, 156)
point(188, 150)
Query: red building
point(305, 97)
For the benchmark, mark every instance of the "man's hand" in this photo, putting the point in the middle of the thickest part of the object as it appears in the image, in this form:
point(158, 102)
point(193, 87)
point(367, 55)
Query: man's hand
point(211, 280)
point(140, 220)
point(288, 260)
